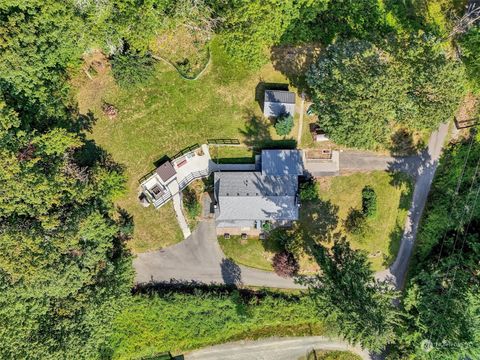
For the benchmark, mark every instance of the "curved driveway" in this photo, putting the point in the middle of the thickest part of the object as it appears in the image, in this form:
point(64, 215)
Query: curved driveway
point(199, 258)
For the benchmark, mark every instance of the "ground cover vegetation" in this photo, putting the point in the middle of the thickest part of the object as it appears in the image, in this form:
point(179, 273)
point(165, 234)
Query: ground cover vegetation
point(65, 273)
point(441, 302)
point(179, 322)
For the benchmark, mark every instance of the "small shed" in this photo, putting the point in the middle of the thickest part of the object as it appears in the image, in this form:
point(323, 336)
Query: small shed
point(318, 134)
point(278, 102)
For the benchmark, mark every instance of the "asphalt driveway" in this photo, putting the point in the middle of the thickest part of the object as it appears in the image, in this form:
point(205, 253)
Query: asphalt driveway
point(199, 258)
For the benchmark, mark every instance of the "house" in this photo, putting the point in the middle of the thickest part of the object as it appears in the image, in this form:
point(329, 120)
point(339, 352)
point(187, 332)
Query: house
point(245, 200)
point(278, 102)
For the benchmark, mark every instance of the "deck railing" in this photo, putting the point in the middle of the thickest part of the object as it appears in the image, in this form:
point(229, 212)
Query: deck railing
point(193, 176)
point(162, 200)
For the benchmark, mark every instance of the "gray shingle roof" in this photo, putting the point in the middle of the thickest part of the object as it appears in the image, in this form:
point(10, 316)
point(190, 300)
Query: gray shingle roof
point(280, 96)
point(282, 162)
point(166, 171)
point(253, 196)
point(278, 102)
point(257, 208)
point(254, 183)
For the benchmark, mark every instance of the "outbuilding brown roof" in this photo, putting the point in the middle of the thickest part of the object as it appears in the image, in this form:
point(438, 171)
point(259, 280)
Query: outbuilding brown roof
point(166, 171)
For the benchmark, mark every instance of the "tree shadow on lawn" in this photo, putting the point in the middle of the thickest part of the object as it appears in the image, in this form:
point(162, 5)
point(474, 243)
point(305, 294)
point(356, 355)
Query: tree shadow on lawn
point(318, 221)
point(257, 134)
point(395, 238)
point(294, 61)
point(231, 272)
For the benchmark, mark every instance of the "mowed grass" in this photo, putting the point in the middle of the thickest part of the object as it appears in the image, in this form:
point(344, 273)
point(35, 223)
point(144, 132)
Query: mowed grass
point(250, 252)
point(167, 114)
point(322, 218)
point(339, 195)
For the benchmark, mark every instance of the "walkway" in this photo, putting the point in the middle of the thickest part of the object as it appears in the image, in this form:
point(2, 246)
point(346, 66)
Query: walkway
point(273, 349)
point(300, 124)
point(199, 258)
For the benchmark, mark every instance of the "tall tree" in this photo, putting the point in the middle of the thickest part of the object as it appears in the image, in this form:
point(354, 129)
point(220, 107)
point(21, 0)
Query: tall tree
point(441, 301)
point(350, 299)
point(250, 28)
point(63, 267)
point(363, 92)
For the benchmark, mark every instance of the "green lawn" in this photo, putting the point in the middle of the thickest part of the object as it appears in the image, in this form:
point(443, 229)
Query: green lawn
point(250, 252)
point(340, 194)
point(324, 217)
point(167, 114)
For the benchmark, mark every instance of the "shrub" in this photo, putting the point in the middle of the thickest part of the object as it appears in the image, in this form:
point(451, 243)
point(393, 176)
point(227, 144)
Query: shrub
point(132, 68)
point(308, 191)
point(191, 203)
point(284, 124)
point(285, 264)
point(369, 201)
point(355, 222)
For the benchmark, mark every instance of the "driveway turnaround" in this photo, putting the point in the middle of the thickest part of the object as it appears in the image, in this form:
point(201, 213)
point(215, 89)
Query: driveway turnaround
point(273, 349)
point(199, 258)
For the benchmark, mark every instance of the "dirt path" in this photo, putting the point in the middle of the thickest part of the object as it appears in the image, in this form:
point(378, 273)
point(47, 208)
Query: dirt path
point(300, 124)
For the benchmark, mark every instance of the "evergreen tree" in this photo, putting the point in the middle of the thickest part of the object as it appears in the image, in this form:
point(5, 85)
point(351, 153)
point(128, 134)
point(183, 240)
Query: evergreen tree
point(362, 92)
point(350, 299)
point(64, 270)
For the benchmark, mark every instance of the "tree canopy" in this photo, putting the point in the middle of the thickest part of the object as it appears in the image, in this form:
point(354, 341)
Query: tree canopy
point(348, 297)
point(441, 303)
point(362, 92)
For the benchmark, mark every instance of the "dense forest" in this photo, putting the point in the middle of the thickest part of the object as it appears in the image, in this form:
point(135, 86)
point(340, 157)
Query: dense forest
point(65, 271)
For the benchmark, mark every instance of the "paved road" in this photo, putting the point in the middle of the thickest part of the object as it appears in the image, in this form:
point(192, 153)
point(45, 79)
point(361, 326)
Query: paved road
point(199, 258)
point(424, 174)
point(272, 349)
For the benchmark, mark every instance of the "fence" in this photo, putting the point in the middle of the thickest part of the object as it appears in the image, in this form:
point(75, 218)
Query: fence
point(223, 142)
point(185, 151)
point(464, 124)
point(162, 200)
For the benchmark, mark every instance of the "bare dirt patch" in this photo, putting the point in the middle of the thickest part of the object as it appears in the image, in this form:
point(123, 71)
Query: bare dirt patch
point(469, 108)
point(94, 81)
point(294, 61)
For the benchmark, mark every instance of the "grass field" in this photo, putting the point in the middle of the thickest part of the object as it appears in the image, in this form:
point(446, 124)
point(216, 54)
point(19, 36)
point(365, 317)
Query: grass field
point(339, 195)
point(250, 252)
point(167, 114)
point(324, 217)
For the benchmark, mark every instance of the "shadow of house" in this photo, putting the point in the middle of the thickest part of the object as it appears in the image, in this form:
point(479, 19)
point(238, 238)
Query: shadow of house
point(161, 161)
point(264, 86)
